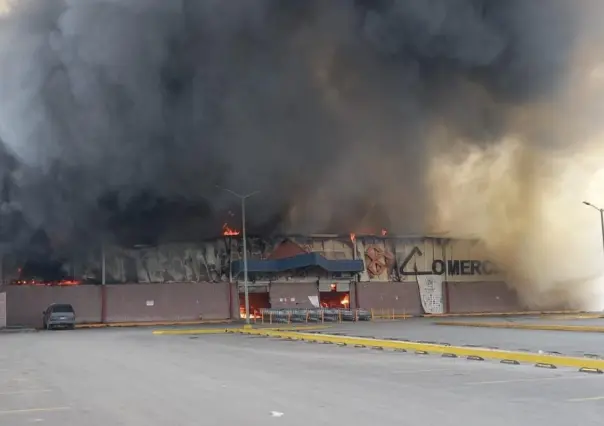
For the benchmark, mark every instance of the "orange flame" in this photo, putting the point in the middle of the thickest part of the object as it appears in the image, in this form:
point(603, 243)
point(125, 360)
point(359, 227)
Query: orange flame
point(70, 282)
point(345, 301)
point(228, 231)
point(47, 283)
point(253, 313)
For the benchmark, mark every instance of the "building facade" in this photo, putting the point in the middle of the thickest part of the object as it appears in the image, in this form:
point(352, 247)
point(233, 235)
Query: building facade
point(387, 275)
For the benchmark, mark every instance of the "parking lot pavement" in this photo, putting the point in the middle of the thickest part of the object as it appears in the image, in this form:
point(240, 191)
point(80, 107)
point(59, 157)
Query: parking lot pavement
point(578, 319)
point(131, 377)
point(568, 343)
point(25, 397)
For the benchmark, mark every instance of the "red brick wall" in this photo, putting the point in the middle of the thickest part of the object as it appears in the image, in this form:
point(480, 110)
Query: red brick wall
point(353, 295)
point(464, 297)
point(171, 302)
point(188, 301)
point(402, 297)
point(298, 291)
point(234, 300)
point(24, 304)
point(124, 302)
point(460, 297)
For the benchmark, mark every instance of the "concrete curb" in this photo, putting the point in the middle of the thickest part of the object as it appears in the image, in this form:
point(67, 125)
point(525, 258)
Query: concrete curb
point(234, 330)
point(385, 319)
point(542, 327)
point(508, 314)
point(470, 353)
point(13, 330)
point(575, 316)
point(152, 324)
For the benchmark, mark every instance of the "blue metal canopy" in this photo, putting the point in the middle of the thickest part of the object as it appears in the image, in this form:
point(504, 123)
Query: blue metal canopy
point(300, 261)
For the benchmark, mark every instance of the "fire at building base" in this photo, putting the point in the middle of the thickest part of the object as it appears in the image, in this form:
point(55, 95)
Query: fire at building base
point(193, 281)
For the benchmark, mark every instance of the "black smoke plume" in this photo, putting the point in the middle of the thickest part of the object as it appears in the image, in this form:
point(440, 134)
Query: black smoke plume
point(120, 117)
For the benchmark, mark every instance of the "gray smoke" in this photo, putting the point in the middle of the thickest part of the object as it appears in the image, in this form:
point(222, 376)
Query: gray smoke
point(327, 107)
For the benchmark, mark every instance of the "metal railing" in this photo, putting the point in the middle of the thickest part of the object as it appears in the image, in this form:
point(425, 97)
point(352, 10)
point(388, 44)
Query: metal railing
point(388, 314)
point(317, 315)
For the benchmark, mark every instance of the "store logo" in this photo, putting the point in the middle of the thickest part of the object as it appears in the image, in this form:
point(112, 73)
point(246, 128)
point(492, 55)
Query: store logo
point(450, 267)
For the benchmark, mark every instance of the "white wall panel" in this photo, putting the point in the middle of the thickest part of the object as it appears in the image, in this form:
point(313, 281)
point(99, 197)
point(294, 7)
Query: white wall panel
point(467, 262)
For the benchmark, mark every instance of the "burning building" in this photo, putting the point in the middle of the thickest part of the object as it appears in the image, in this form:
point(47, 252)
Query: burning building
point(369, 271)
point(468, 120)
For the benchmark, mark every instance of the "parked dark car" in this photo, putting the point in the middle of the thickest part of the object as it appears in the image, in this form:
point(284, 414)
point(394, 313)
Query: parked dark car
point(59, 315)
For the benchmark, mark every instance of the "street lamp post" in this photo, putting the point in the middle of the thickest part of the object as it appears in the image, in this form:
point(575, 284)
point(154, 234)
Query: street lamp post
point(243, 235)
point(601, 219)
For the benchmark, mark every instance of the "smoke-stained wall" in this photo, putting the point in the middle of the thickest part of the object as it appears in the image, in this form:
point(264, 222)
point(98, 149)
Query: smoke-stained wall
point(385, 259)
point(185, 262)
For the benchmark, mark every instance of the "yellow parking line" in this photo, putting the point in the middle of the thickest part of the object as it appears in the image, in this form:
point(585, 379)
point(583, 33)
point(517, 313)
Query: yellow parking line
point(460, 351)
point(298, 327)
point(191, 331)
point(34, 410)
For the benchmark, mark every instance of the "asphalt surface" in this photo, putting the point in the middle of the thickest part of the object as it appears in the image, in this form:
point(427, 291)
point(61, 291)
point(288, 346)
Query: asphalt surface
point(131, 377)
point(545, 320)
point(424, 329)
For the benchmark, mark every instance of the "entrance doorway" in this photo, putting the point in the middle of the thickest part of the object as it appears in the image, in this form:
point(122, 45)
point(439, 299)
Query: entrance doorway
point(335, 299)
point(258, 301)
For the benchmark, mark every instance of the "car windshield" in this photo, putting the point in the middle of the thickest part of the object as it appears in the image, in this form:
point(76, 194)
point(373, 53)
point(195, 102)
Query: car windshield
point(62, 308)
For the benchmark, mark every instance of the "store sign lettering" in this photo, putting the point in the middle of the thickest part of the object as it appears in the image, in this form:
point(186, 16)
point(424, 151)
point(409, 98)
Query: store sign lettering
point(450, 267)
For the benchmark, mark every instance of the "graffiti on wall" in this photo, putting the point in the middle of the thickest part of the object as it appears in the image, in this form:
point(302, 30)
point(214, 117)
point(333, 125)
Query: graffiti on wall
point(378, 260)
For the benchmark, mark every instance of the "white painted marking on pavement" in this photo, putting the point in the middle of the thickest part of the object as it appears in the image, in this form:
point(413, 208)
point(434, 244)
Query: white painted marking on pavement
point(431, 370)
point(34, 410)
point(593, 398)
point(25, 392)
point(534, 379)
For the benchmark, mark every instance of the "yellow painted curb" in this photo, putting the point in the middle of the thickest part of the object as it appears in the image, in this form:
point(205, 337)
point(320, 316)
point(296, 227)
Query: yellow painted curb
point(298, 327)
point(194, 331)
point(421, 348)
point(544, 327)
